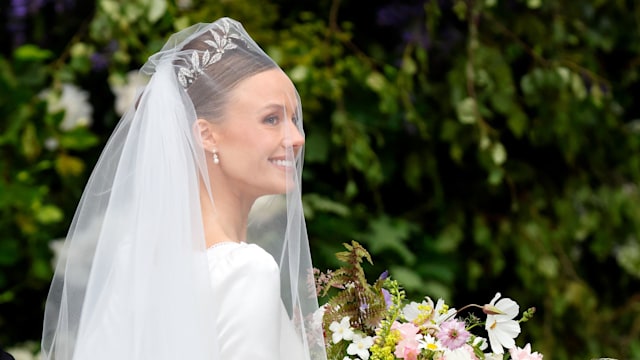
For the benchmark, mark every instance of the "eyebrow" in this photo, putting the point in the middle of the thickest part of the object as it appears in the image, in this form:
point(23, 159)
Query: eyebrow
point(276, 107)
point(272, 107)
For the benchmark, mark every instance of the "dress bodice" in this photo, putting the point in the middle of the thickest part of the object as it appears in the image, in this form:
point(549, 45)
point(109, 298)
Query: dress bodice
point(252, 322)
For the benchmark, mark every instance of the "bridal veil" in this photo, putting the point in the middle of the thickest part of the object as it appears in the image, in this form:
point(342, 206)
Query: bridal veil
point(134, 267)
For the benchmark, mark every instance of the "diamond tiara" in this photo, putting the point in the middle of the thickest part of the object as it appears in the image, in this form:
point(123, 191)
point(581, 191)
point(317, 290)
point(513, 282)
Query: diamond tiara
point(197, 64)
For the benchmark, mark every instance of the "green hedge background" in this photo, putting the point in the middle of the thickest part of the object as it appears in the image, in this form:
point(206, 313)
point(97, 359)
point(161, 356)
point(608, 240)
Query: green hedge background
point(472, 146)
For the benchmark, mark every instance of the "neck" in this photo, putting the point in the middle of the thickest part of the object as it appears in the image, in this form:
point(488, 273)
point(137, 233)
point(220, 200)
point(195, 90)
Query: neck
point(226, 219)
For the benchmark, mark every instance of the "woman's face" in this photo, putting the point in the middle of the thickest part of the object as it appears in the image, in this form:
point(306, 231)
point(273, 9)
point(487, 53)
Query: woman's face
point(258, 139)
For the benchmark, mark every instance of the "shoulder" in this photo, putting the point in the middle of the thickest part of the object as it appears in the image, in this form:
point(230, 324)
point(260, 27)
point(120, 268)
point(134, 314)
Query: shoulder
point(234, 258)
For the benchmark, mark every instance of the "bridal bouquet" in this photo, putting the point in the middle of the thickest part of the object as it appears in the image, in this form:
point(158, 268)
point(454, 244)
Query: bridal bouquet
point(374, 321)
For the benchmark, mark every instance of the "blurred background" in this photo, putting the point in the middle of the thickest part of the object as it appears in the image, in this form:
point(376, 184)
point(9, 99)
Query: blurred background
point(472, 146)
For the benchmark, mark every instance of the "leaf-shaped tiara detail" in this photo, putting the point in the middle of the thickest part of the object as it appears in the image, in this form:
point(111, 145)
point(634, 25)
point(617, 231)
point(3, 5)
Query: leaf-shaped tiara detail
point(198, 63)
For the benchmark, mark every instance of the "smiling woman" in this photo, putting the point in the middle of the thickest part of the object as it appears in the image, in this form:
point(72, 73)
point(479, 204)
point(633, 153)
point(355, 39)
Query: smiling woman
point(190, 240)
point(258, 127)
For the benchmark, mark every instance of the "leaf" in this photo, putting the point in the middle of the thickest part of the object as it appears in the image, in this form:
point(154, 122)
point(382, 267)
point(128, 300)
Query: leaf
point(362, 302)
point(316, 147)
point(49, 214)
point(325, 204)
point(111, 8)
point(578, 87)
point(156, 9)
point(78, 139)
point(517, 123)
point(376, 81)
point(449, 238)
point(466, 110)
point(41, 269)
point(31, 52)
point(498, 153)
point(205, 57)
point(195, 62)
point(409, 279)
point(388, 233)
point(30, 144)
point(69, 166)
point(9, 252)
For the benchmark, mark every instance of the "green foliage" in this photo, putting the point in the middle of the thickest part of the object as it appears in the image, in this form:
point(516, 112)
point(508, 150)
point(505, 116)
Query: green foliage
point(38, 170)
point(472, 146)
point(364, 303)
point(507, 157)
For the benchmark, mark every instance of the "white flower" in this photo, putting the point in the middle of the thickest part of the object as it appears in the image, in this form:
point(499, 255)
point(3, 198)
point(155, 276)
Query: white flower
point(318, 315)
point(75, 104)
point(57, 247)
point(493, 356)
point(360, 346)
point(442, 312)
point(430, 343)
point(185, 4)
point(341, 331)
point(502, 328)
point(23, 352)
point(420, 313)
point(126, 92)
point(480, 342)
point(412, 310)
point(458, 354)
point(51, 144)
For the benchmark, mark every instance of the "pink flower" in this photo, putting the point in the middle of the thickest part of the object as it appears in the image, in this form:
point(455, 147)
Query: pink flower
point(472, 354)
point(407, 350)
point(407, 330)
point(524, 353)
point(452, 334)
point(407, 347)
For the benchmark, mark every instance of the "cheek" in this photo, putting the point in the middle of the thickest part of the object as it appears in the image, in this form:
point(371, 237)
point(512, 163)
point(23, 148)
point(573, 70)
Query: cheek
point(249, 149)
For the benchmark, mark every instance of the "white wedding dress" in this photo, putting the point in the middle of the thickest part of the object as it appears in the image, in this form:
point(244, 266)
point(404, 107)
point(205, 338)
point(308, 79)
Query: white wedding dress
point(252, 322)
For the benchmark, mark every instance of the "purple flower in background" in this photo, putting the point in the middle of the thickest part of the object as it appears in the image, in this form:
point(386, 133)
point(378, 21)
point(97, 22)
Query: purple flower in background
point(384, 275)
point(408, 20)
point(61, 6)
point(364, 307)
point(16, 22)
point(387, 297)
point(100, 60)
point(20, 10)
point(36, 5)
point(397, 14)
point(418, 36)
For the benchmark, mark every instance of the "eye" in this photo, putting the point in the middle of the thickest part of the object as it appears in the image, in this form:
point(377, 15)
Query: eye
point(295, 120)
point(271, 120)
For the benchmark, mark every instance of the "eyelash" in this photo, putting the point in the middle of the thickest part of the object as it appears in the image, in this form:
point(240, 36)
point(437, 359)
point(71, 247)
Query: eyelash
point(274, 120)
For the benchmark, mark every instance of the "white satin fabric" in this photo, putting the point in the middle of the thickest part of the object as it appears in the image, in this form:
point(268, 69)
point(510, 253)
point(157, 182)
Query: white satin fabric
point(252, 321)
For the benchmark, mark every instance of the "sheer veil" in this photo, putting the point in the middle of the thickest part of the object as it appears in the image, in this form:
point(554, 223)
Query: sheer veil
point(133, 281)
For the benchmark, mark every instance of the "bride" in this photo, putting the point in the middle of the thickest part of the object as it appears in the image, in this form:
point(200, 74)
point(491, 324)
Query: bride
point(189, 241)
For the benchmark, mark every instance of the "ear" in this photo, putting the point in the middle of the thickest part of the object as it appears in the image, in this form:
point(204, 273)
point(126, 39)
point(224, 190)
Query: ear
point(204, 131)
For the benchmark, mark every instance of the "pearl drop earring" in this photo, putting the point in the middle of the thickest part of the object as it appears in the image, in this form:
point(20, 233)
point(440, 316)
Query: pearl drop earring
point(216, 159)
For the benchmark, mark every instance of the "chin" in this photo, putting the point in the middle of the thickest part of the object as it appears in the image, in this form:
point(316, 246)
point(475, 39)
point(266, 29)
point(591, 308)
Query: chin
point(282, 188)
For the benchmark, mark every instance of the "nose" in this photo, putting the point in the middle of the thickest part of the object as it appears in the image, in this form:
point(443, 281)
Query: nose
point(293, 137)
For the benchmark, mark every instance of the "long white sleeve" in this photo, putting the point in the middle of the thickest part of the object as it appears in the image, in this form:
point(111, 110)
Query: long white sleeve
point(246, 282)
